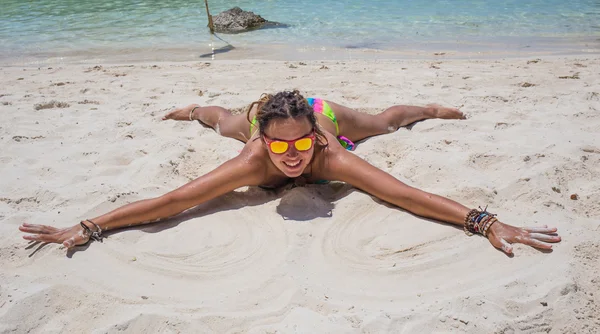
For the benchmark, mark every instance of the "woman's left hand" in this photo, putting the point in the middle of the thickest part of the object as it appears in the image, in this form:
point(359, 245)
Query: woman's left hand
point(502, 236)
point(69, 236)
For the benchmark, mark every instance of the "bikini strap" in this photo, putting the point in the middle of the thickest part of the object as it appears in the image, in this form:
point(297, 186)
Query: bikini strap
point(320, 106)
point(253, 125)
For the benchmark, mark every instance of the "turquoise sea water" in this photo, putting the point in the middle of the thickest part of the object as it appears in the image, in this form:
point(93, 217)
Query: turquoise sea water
point(173, 29)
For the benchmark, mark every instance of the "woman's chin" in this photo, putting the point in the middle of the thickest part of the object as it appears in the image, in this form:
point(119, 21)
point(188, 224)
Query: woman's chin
point(295, 175)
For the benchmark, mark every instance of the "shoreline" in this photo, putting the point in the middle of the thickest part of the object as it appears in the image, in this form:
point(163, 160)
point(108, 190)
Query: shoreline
point(459, 50)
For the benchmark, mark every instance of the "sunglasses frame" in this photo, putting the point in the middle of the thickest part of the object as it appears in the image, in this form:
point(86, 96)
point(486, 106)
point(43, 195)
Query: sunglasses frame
point(269, 141)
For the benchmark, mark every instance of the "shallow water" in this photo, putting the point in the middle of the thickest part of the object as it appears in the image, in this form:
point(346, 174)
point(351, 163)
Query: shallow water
point(150, 28)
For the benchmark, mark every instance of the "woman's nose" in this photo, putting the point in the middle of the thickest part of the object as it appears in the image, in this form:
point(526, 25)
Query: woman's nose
point(292, 151)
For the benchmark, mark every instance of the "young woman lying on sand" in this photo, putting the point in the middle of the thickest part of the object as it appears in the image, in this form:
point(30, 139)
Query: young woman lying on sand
point(288, 136)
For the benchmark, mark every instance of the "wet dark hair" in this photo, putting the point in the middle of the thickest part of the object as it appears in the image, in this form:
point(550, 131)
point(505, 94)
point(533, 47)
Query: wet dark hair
point(286, 104)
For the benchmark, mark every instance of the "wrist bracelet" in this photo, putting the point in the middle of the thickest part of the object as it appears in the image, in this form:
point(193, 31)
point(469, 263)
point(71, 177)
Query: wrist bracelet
point(97, 235)
point(192, 112)
point(479, 221)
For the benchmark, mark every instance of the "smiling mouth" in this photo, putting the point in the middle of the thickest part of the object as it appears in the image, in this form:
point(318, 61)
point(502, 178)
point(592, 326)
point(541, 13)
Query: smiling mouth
point(292, 165)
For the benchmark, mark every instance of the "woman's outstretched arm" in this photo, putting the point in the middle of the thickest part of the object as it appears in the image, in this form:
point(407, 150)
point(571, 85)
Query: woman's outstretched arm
point(240, 171)
point(351, 169)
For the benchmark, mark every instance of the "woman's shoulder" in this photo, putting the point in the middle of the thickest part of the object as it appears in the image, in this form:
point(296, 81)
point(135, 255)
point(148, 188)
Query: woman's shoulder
point(331, 144)
point(254, 152)
point(330, 153)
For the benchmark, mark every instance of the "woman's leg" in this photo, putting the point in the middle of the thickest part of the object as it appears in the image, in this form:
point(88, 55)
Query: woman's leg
point(218, 118)
point(357, 126)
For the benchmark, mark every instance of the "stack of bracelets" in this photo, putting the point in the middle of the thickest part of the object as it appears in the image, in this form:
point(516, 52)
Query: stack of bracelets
point(479, 221)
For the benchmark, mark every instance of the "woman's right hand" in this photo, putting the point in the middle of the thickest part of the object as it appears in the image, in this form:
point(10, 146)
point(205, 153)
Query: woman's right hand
point(180, 114)
point(69, 236)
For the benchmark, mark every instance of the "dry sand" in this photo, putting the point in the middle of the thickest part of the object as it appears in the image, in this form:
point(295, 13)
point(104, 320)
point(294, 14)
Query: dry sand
point(79, 140)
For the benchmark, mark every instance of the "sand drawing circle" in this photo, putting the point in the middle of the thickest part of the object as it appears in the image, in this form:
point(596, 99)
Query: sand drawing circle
point(226, 244)
point(368, 242)
point(389, 248)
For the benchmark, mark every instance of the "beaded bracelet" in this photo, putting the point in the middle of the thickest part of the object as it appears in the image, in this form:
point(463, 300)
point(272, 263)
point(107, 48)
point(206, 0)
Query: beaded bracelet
point(479, 221)
point(488, 225)
point(469, 222)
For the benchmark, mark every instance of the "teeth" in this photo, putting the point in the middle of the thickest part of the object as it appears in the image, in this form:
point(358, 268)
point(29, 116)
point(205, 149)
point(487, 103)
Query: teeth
point(292, 165)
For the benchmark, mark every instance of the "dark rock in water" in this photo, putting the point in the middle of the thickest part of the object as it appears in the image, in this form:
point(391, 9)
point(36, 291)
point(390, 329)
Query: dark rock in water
point(236, 20)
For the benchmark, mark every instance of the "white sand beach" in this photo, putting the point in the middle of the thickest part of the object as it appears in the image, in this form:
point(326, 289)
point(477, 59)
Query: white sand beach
point(81, 139)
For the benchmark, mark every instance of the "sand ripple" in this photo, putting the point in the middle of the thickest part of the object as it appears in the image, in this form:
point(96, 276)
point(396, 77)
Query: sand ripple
point(220, 247)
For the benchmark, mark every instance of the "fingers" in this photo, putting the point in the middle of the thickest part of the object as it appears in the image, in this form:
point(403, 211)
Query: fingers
point(536, 243)
point(533, 240)
point(76, 240)
point(544, 237)
point(40, 237)
point(69, 242)
point(37, 229)
point(68, 237)
point(542, 229)
point(506, 246)
point(539, 237)
point(502, 244)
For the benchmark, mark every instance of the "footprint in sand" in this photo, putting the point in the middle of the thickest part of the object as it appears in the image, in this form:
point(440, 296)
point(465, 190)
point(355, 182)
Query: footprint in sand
point(37, 201)
point(502, 125)
point(50, 105)
point(88, 102)
point(591, 149)
point(492, 98)
point(26, 139)
point(17, 201)
point(58, 84)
